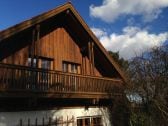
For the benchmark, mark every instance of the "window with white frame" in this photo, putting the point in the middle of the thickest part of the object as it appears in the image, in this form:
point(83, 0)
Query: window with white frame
point(71, 67)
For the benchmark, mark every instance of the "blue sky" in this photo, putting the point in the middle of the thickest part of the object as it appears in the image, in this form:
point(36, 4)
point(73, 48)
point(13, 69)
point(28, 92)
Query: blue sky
point(127, 26)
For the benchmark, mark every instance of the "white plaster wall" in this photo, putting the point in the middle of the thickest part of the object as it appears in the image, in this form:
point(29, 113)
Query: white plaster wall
point(12, 118)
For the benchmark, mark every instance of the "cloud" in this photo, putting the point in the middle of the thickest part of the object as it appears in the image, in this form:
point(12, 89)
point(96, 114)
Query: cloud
point(132, 42)
point(110, 10)
point(99, 32)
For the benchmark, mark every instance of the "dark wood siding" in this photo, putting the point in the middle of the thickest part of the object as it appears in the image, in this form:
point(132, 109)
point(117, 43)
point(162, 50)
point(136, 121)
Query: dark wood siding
point(57, 45)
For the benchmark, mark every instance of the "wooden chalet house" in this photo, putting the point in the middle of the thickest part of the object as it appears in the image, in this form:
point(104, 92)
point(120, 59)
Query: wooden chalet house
point(54, 71)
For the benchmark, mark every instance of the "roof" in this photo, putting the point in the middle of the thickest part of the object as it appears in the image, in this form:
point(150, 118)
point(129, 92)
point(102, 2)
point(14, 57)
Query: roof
point(42, 17)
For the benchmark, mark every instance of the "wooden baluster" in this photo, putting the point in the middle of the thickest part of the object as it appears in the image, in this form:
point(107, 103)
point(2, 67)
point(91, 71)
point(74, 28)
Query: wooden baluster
point(87, 84)
point(21, 79)
point(56, 82)
point(70, 82)
point(77, 83)
point(8, 78)
point(53, 81)
point(81, 84)
point(98, 85)
point(95, 85)
point(48, 80)
point(3, 79)
point(61, 83)
point(17, 79)
point(102, 85)
point(48, 86)
point(37, 81)
point(90, 85)
point(84, 84)
point(65, 82)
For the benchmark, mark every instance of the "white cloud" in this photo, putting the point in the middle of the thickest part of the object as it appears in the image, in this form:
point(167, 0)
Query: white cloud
point(98, 32)
point(132, 42)
point(110, 10)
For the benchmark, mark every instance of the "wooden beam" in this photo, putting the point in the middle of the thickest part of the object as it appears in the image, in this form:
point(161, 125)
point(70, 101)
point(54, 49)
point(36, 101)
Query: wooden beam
point(92, 56)
point(37, 45)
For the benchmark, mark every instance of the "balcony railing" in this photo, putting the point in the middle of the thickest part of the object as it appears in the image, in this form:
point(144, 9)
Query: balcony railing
point(15, 78)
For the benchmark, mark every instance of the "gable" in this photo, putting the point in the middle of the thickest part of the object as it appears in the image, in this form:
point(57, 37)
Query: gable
point(64, 16)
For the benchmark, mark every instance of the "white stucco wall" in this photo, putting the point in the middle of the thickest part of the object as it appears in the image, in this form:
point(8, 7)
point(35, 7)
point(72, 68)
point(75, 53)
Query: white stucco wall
point(12, 118)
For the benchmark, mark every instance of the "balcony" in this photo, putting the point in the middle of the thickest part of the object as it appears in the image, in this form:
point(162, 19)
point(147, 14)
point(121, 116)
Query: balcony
point(21, 81)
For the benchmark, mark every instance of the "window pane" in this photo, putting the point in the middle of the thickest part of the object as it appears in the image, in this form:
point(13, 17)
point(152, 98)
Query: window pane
point(79, 122)
point(87, 121)
point(65, 67)
point(70, 67)
point(30, 62)
point(97, 121)
point(73, 68)
point(46, 64)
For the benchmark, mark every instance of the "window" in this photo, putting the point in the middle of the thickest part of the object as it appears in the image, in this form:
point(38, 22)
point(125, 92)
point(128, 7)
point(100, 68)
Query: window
point(96, 121)
point(45, 64)
point(89, 121)
point(74, 68)
point(65, 67)
point(30, 62)
point(71, 67)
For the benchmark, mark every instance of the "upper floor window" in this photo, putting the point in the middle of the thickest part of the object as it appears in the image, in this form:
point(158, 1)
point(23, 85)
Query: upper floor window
point(65, 67)
point(40, 62)
point(32, 62)
point(71, 67)
point(45, 64)
point(74, 68)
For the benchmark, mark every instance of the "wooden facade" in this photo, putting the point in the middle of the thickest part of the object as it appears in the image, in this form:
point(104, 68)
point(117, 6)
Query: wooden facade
point(56, 55)
point(59, 47)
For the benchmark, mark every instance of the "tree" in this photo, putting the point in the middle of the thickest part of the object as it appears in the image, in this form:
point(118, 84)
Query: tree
point(123, 63)
point(119, 111)
point(149, 76)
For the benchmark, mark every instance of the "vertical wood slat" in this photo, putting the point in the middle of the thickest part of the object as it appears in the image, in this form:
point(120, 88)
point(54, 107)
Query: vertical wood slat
point(92, 57)
point(57, 44)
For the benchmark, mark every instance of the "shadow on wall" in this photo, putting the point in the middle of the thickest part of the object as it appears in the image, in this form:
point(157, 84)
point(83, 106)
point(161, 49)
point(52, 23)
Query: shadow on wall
point(28, 117)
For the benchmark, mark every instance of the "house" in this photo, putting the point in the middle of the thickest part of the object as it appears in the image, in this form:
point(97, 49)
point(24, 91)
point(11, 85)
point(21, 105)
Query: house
point(54, 71)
